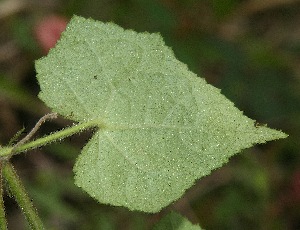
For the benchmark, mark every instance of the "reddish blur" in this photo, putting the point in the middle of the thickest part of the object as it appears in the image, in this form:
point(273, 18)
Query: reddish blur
point(48, 31)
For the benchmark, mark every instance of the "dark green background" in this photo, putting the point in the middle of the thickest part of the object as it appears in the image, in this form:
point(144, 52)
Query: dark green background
point(249, 49)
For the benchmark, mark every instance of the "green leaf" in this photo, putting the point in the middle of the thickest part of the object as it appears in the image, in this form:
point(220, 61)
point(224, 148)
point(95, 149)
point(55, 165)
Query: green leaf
point(160, 126)
point(174, 221)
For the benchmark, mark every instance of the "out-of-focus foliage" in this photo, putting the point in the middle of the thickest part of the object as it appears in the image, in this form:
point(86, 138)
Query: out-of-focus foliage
point(250, 49)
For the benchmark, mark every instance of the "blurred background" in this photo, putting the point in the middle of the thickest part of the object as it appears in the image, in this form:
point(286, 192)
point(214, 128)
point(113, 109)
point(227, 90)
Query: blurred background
point(250, 49)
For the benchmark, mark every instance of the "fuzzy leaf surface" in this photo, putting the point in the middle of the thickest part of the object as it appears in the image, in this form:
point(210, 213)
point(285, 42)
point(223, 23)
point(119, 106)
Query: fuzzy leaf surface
point(161, 126)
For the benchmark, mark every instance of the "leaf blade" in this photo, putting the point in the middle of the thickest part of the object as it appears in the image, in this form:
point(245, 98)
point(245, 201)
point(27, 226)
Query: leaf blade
point(162, 127)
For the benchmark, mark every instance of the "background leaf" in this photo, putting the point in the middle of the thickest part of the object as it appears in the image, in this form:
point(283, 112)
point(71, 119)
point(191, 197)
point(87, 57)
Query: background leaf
point(174, 221)
point(161, 126)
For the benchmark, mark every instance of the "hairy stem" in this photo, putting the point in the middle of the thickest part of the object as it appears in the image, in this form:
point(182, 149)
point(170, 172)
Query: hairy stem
point(3, 222)
point(20, 195)
point(57, 136)
point(35, 128)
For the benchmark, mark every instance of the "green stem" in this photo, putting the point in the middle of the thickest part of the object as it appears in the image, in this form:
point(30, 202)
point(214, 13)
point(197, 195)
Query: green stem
point(3, 222)
point(59, 135)
point(18, 191)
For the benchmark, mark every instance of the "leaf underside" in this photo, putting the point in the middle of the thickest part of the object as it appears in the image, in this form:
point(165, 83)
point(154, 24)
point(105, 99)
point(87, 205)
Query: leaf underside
point(161, 126)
